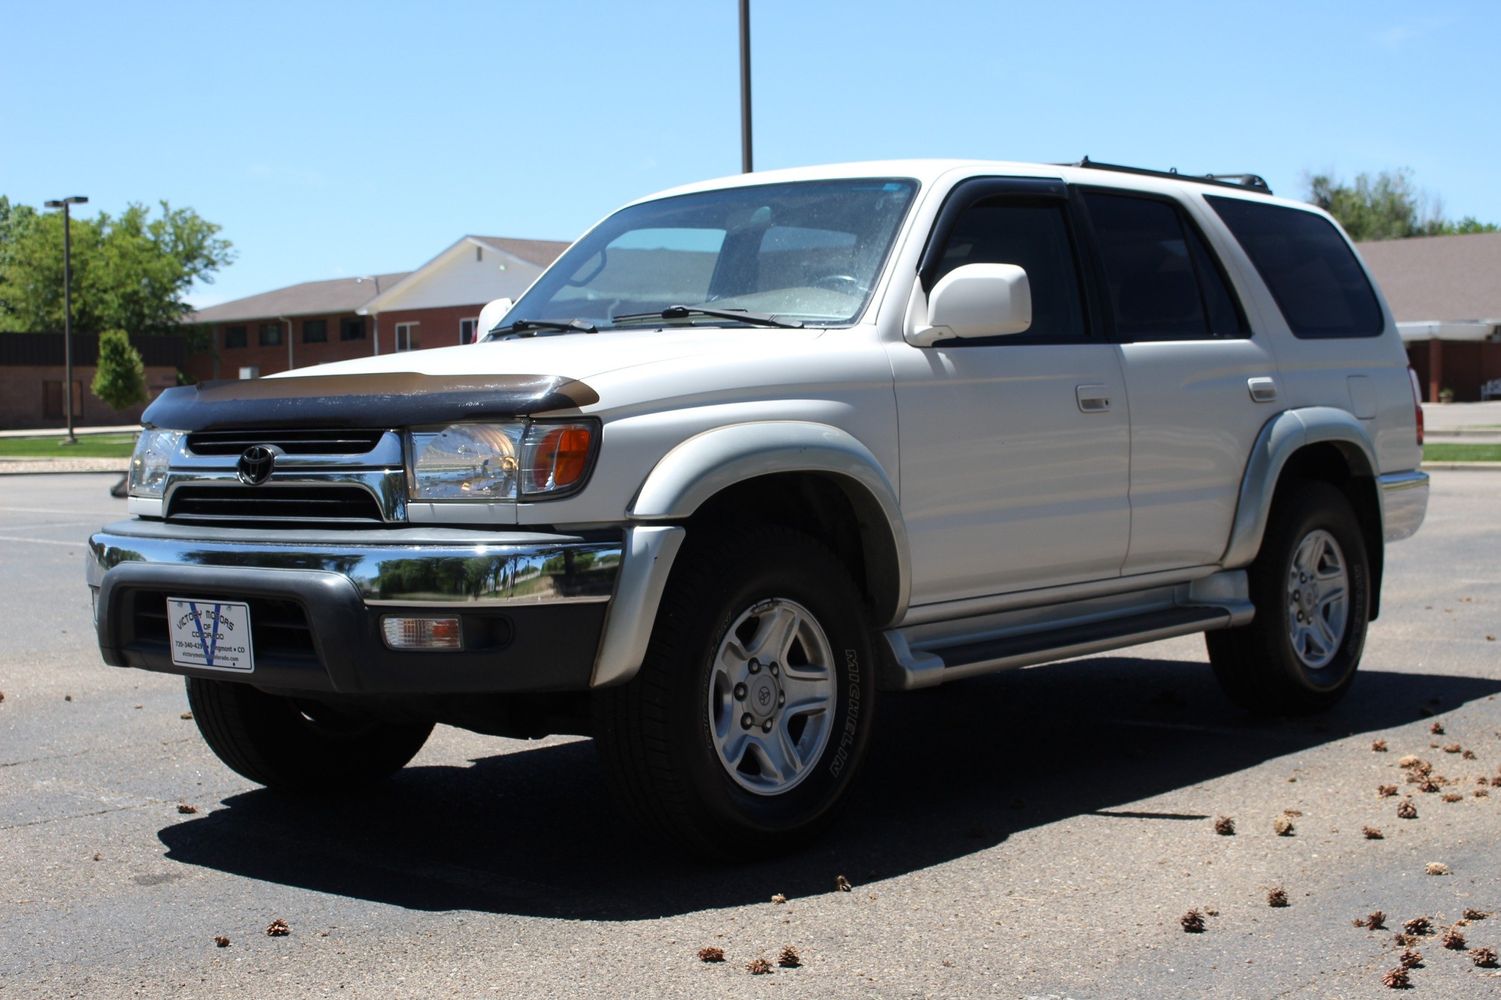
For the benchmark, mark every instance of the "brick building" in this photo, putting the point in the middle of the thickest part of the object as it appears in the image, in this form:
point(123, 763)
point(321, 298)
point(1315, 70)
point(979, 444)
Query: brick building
point(32, 372)
point(319, 321)
point(1445, 292)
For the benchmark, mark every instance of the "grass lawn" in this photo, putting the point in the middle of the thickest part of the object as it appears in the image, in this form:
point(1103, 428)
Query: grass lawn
point(1462, 452)
point(88, 446)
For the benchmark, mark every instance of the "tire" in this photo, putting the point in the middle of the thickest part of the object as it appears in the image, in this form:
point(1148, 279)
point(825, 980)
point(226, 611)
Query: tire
point(1311, 586)
point(744, 728)
point(295, 745)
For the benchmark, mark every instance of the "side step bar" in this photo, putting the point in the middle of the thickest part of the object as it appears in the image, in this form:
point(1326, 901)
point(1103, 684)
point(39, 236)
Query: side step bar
point(933, 665)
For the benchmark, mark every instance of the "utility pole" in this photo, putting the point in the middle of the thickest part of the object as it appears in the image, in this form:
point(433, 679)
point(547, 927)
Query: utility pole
point(745, 88)
point(63, 204)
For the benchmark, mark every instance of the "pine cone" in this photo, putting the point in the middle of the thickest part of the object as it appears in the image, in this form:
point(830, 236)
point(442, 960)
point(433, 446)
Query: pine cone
point(1224, 826)
point(788, 958)
point(711, 954)
point(1453, 939)
point(1397, 979)
point(1276, 896)
point(758, 967)
point(278, 928)
point(1483, 957)
point(1192, 921)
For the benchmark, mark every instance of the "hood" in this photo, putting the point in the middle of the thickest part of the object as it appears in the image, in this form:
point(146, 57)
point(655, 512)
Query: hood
point(574, 355)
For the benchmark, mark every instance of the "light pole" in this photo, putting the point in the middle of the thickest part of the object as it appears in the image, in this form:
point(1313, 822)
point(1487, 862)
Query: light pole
point(745, 88)
point(63, 204)
point(374, 317)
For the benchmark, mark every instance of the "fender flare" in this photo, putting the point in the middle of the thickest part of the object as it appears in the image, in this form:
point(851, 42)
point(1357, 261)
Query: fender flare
point(717, 459)
point(1280, 438)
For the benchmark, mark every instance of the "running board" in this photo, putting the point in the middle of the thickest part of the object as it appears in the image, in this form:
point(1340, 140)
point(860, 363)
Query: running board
point(933, 665)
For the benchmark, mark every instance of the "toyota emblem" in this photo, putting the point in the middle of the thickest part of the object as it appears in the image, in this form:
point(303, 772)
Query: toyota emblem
point(255, 464)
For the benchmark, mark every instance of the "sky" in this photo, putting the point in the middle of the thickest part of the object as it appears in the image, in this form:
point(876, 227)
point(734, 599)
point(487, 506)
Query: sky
point(337, 139)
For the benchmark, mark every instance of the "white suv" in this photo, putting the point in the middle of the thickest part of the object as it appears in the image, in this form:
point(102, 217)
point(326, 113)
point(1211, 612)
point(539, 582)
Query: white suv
point(753, 450)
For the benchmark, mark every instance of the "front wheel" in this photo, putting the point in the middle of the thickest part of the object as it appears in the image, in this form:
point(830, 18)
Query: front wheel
point(297, 745)
point(1311, 588)
point(742, 731)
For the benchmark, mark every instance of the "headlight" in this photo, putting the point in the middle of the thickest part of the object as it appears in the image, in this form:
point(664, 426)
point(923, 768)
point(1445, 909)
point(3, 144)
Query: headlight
point(503, 461)
point(151, 460)
point(466, 462)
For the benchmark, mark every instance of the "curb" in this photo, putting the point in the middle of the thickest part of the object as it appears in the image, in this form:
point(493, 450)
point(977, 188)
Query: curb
point(1461, 466)
point(62, 472)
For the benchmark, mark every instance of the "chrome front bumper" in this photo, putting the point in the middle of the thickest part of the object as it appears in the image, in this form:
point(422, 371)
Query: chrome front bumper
point(1404, 503)
point(533, 606)
point(387, 567)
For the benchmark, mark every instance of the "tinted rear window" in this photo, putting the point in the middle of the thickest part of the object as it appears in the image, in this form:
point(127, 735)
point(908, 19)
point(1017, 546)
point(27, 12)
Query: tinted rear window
point(1309, 268)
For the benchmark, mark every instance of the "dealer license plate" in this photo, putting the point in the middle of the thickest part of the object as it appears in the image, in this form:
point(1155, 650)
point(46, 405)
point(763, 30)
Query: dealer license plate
point(213, 634)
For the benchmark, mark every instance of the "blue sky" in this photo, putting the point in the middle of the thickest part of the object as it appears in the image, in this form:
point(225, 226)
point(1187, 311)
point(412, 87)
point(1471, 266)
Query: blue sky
point(338, 139)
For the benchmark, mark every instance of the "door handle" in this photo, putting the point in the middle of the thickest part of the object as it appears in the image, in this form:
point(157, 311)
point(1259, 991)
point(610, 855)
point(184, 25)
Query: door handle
point(1093, 398)
point(1263, 389)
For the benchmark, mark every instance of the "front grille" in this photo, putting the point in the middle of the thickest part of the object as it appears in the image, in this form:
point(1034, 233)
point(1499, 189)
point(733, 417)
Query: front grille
point(279, 629)
point(299, 442)
point(321, 505)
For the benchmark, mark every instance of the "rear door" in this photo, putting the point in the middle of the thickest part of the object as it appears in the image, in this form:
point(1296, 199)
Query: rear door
point(1200, 385)
point(1014, 449)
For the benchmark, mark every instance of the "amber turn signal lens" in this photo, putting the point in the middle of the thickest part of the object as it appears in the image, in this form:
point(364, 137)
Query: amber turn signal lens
point(560, 459)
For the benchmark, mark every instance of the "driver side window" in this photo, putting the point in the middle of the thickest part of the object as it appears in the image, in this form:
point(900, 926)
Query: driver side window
point(1033, 234)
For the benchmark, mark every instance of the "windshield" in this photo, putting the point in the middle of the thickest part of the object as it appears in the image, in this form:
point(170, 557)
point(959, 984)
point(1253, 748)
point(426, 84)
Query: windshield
point(807, 252)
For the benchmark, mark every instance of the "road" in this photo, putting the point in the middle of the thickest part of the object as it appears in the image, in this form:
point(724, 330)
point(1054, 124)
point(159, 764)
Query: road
point(1037, 834)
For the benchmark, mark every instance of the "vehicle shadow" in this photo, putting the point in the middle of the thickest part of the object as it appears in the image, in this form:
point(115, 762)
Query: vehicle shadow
point(953, 770)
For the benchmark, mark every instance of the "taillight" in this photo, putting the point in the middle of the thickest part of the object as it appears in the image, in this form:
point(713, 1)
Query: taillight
point(558, 457)
point(1417, 402)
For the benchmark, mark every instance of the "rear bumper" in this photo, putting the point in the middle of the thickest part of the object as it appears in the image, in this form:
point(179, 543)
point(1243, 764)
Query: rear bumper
point(1404, 503)
point(532, 607)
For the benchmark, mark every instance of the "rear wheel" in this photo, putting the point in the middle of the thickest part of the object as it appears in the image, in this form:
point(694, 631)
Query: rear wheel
point(1311, 588)
point(298, 745)
point(742, 731)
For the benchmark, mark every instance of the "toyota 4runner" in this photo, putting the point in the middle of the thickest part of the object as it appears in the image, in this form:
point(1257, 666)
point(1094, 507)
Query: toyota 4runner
point(753, 450)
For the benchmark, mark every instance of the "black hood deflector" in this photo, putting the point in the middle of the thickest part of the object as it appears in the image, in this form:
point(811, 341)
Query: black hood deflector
point(390, 399)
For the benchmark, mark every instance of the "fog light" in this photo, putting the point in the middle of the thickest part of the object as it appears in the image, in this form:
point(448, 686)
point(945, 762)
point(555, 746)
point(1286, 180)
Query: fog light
point(421, 633)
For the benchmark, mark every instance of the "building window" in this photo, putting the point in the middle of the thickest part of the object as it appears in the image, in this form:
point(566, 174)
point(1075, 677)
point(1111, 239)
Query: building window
point(52, 399)
point(466, 330)
point(406, 336)
point(352, 328)
point(234, 336)
point(270, 335)
point(315, 331)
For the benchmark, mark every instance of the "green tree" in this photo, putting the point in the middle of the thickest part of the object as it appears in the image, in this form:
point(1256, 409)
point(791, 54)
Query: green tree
point(120, 379)
point(130, 273)
point(1386, 206)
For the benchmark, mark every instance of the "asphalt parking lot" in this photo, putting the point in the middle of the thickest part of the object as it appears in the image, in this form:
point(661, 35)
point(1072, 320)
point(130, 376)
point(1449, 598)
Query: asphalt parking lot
point(1037, 834)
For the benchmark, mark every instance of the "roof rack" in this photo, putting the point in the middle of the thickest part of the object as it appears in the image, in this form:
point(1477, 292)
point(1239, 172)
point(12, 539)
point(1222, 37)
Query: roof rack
point(1245, 182)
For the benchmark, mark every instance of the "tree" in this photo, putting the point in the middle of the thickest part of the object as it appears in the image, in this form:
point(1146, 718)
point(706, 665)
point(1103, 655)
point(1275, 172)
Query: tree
point(120, 379)
point(1386, 207)
point(130, 273)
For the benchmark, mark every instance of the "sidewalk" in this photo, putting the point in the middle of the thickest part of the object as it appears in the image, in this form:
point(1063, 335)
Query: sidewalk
point(38, 432)
point(1471, 423)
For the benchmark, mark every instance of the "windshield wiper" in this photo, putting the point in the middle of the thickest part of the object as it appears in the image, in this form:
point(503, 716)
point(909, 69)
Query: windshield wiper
point(529, 328)
point(683, 312)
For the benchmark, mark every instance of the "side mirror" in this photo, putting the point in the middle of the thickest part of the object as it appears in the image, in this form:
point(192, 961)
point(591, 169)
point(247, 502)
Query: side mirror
point(490, 316)
point(976, 300)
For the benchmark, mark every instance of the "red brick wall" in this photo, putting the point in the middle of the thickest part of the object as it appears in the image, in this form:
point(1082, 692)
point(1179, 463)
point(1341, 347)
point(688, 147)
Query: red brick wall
point(435, 328)
point(1464, 365)
point(22, 397)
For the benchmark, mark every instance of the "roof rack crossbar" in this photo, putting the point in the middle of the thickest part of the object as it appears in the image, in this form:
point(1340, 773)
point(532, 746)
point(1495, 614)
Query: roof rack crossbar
point(1244, 182)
